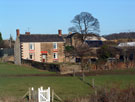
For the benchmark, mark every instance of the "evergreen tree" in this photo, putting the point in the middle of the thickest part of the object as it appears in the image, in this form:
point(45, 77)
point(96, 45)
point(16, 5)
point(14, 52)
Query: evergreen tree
point(0, 37)
point(1, 40)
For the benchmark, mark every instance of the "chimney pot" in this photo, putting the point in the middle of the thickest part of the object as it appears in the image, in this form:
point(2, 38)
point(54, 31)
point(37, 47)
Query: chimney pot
point(60, 32)
point(17, 32)
point(27, 33)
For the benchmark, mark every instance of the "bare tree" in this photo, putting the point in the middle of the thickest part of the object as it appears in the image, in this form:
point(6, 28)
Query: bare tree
point(85, 23)
point(82, 51)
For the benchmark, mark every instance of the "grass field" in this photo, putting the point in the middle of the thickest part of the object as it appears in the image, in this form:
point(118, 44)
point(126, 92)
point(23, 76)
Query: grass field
point(64, 86)
point(11, 69)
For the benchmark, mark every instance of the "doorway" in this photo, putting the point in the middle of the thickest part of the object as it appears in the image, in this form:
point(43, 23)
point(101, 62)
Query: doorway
point(44, 58)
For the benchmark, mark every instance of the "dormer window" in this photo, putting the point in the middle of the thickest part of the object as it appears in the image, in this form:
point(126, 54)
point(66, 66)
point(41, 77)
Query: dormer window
point(31, 46)
point(55, 45)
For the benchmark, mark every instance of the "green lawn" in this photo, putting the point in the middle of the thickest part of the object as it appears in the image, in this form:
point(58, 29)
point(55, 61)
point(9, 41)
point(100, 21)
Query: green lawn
point(65, 87)
point(11, 69)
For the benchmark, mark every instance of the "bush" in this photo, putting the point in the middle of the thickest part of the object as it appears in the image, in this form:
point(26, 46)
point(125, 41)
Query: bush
point(112, 95)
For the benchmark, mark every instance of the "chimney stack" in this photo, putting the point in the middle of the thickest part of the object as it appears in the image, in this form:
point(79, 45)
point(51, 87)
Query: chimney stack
point(27, 33)
point(17, 32)
point(60, 32)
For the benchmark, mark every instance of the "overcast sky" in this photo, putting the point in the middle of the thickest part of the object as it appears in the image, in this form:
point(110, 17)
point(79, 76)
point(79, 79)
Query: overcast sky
point(47, 16)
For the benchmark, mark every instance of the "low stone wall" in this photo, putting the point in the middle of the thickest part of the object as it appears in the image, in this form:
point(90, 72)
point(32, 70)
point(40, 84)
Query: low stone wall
point(110, 66)
point(63, 68)
point(69, 68)
point(7, 59)
point(43, 66)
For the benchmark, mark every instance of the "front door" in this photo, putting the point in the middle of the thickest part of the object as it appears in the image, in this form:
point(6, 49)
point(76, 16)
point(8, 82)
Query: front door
point(44, 57)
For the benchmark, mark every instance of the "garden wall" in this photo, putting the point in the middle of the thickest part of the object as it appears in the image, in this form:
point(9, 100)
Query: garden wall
point(42, 66)
point(70, 68)
point(63, 68)
point(67, 68)
point(110, 66)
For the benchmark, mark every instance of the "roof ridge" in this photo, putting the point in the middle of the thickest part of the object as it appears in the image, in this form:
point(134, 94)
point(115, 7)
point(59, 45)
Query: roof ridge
point(41, 38)
point(40, 34)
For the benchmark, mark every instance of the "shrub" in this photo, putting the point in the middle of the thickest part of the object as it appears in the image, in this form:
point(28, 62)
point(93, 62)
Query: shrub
point(112, 95)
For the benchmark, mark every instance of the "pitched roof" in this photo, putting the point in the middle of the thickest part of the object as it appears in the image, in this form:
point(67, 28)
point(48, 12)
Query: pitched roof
point(126, 44)
point(64, 35)
point(41, 38)
point(94, 43)
point(90, 34)
point(70, 35)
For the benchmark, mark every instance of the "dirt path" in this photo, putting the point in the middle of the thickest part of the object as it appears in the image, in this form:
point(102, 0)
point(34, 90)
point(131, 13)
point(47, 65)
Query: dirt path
point(33, 75)
point(93, 73)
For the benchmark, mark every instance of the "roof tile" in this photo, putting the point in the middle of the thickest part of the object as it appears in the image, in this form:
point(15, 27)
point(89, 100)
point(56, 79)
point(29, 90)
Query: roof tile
point(41, 38)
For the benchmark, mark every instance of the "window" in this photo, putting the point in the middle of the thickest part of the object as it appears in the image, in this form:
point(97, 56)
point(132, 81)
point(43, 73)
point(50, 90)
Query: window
point(31, 56)
point(55, 45)
point(55, 55)
point(31, 46)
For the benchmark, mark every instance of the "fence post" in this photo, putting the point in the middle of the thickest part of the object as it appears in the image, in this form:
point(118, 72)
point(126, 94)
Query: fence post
point(38, 94)
point(93, 83)
point(32, 94)
point(74, 72)
point(29, 94)
point(48, 93)
point(52, 95)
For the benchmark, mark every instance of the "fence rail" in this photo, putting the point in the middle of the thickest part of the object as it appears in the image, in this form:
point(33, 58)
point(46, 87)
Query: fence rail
point(41, 95)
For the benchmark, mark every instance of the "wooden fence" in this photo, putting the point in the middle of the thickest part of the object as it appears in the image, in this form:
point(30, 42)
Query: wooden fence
point(41, 95)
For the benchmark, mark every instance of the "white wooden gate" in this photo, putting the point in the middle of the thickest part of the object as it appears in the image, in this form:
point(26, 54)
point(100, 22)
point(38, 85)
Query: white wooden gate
point(43, 95)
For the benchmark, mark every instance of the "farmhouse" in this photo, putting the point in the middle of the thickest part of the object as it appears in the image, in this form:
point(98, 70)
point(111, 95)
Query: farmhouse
point(75, 38)
point(46, 48)
point(49, 48)
point(92, 41)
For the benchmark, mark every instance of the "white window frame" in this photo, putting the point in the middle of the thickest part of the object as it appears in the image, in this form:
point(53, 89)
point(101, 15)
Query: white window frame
point(55, 45)
point(56, 55)
point(31, 46)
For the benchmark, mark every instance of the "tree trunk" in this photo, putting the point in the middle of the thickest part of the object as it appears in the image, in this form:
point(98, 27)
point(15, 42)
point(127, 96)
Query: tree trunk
point(124, 59)
point(73, 72)
point(83, 76)
point(82, 66)
point(90, 65)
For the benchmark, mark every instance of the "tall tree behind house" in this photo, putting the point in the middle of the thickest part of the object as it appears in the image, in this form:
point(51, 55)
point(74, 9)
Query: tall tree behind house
point(84, 24)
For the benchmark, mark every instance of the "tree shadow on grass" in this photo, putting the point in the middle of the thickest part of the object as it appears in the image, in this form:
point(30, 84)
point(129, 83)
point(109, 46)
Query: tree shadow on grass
point(84, 81)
